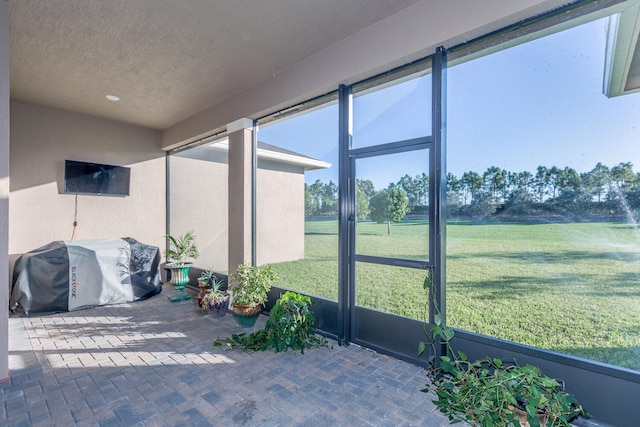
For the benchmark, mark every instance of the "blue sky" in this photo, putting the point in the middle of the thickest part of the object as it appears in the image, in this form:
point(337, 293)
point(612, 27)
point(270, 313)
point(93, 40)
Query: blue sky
point(540, 103)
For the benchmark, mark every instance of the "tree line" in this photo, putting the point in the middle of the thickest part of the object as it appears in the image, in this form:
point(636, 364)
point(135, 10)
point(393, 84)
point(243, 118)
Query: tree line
point(322, 198)
point(602, 191)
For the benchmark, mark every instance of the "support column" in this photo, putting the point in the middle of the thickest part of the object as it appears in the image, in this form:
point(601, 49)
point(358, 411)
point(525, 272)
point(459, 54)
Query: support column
point(4, 190)
point(240, 193)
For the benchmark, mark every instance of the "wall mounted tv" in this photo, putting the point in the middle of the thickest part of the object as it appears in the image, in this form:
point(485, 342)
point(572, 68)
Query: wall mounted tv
point(95, 178)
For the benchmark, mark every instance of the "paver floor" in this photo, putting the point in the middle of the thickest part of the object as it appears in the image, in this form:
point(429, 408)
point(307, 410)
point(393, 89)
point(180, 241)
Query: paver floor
point(152, 363)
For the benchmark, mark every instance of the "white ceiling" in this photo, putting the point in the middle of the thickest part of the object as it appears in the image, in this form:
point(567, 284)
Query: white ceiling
point(168, 59)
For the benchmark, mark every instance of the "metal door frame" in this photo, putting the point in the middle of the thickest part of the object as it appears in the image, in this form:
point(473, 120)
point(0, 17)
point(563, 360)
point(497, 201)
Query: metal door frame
point(347, 310)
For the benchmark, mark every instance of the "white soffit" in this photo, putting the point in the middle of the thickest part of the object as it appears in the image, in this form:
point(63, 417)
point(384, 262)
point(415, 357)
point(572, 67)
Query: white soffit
point(279, 155)
point(622, 66)
point(307, 162)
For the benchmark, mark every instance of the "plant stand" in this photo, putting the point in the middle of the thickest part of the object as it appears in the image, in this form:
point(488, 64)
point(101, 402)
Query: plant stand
point(203, 285)
point(179, 278)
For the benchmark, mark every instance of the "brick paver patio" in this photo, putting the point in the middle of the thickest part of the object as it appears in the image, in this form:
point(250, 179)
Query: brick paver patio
point(152, 363)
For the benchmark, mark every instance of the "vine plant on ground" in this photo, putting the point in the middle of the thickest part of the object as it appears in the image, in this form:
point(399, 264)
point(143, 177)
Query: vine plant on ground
point(290, 325)
point(490, 392)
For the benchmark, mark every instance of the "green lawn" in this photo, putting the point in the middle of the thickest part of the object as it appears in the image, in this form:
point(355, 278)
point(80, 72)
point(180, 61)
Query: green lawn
point(571, 287)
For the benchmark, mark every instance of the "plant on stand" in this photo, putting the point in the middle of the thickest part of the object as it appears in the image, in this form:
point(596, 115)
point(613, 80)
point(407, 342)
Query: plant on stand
point(250, 287)
point(204, 283)
point(180, 249)
point(490, 391)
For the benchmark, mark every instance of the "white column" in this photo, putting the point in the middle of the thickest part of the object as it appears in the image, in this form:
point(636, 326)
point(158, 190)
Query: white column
point(240, 192)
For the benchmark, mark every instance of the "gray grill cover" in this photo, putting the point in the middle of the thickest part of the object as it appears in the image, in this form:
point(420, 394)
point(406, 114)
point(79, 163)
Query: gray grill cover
point(74, 274)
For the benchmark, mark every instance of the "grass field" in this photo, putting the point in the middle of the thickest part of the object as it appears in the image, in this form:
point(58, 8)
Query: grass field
point(567, 287)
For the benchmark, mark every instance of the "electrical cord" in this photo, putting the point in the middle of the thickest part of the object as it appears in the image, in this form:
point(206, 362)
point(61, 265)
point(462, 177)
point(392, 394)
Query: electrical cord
point(75, 219)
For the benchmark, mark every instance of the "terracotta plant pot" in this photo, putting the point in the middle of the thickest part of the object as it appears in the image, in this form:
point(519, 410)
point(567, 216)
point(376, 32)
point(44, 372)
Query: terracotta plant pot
point(247, 310)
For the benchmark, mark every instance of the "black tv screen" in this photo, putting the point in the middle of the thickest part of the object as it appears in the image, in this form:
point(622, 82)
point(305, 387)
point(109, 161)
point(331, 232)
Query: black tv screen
point(95, 178)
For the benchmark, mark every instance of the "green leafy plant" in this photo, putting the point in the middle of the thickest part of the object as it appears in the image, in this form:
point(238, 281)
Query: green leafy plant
point(251, 284)
point(182, 247)
point(491, 392)
point(290, 325)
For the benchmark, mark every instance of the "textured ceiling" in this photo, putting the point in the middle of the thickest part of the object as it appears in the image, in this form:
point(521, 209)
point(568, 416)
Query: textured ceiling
point(168, 59)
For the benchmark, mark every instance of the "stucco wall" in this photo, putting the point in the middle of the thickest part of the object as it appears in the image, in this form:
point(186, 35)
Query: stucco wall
point(280, 213)
point(199, 195)
point(198, 202)
point(41, 140)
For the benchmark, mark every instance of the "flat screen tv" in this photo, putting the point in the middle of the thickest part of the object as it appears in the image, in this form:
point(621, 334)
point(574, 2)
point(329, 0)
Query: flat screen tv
point(95, 178)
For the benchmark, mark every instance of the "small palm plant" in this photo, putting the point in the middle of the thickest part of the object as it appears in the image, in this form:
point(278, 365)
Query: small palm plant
point(180, 249)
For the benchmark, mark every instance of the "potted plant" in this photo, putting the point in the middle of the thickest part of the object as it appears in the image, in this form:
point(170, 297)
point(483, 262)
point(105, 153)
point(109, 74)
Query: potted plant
point(291, 324)
point(204, 283)
point(250, 286)
point(492, 392)
point(215, 300)
point(180, 249)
